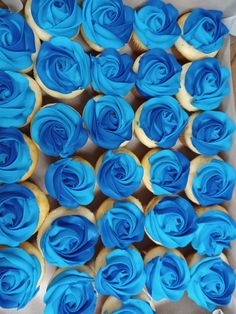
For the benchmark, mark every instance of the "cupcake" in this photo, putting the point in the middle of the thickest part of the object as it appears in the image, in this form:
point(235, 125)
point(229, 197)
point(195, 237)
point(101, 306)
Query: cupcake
point(155, 26)
point(202, 34)
point(106, 24)
point(58, 130)
point(71, 182)
point(18, 44)
point(170, 221)
point(18, 156)
point(23, 209)
point(109, 121)
point(159, 122)
point(121, 223)
point(158, 74)
point(67, 238)
point(112, 73)
point(21, 269)
point(62, 68)
point(119, 173)
point(209, 133)
point(119, 273)
point(215, 230)
point(203, 85)
point(20, 99)
point(167, 274)
point(211, 181)
point(165, 171)
point(51, 18)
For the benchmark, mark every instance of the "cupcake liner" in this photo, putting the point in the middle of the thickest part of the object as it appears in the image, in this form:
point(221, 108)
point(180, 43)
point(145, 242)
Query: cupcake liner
point(136, 44)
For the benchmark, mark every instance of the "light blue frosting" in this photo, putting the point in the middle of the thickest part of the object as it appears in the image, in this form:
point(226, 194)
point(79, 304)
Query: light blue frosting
point(122, 225)
point(109, 121)
point(212, 283)
point(69, 241)
point(107, 24)
point(156, 24)
point(119, 175)
point(63, 66)
point(214, 183)
point(20, 273)
point(71, 182)
point(134, 306)
point(123, 274)
point(207, 82)
point(167, 277)
point(163, 120)
point(204, 30)
point(58, 18)
point(17, 42)
point(58, 130)
point(172, 222)
point(71, 291)
point(158, 74)
point(112, 72)
point(169, 172)
point(15, 159)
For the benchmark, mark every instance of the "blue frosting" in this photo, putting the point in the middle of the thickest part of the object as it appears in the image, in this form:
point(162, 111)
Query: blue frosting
point(109, 121)
point(17, 43)
point(214, 183)
point(204, 30)
point(112, 73)
point(69, 241)
point(20, 273)
point(119, 175)
point(156, 24)
point(58, 18)
point(212, 132)
point(134, 306)
point(169, 172)
point(71, 182)
point(207, 82)
point(15, 159)
point(158, 74)
point(123, 274)
point(71, 291)
point(212, 283)
point(122, 225)
point(172, 222)
point(108, 24)
point(163, 120)
point(167, 277)
point(63, 66)
point(58, 130)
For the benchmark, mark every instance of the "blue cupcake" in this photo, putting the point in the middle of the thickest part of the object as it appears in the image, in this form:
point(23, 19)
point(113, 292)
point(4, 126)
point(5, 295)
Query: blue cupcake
point(109, 121)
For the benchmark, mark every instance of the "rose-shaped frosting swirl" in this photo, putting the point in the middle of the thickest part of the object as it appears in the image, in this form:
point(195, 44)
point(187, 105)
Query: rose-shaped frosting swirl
point(109, 121)
point(71, 291)
point(204, 30)
point(156, 24)
point(212, 283)
point(19, 276)
point(15, 158)
point(17, 42)
point(112, 73)
point(123, 275)
point(172, 222)
point(63, 66)
point(214, 183)
point(207, 82)
point(134, 306)
point(71, 182)
point(167, 277)
point(158, 74)
point(58, 130)
point(107, 24)
point(119, 174)
point(69, 241)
